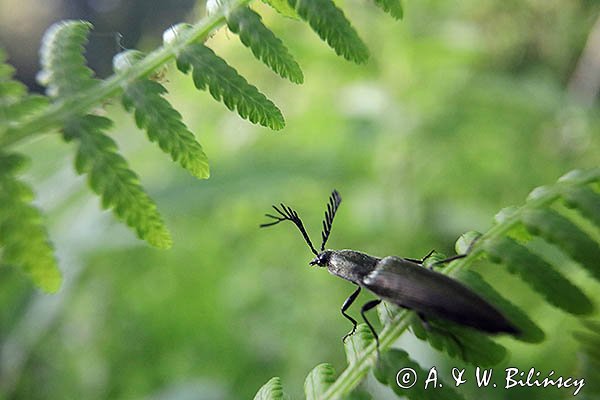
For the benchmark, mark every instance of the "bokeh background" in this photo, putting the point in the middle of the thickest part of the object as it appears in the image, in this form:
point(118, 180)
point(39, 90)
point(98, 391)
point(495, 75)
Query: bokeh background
point(463, 108)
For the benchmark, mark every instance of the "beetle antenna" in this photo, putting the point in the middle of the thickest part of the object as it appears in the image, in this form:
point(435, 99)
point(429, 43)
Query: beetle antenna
point(334, 202)
point(288, 214)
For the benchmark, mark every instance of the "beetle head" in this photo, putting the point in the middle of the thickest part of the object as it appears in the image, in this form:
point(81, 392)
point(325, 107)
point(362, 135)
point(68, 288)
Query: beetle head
point(322, 259)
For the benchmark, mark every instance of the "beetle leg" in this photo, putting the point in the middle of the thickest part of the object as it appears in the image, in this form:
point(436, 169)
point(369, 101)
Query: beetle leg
point(347, 305)
point(366, 307)
point(420, 261)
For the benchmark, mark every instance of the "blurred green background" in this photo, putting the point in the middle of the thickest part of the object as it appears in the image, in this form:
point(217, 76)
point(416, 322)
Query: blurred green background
point(463, 108)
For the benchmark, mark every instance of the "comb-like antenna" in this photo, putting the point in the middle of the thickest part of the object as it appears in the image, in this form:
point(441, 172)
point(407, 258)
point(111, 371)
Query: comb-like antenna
point(334, 202)
point(288, 214)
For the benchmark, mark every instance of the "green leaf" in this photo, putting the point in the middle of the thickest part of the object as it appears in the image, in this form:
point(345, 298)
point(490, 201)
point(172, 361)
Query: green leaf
point(282, 7)
point(318, 381)
point(272, 390)
point(357, 343)
point(63, 64)
point(224, 83)
point(392, 7)
point(15, 104)
point(264, 44)
point(395, 366)
point(586, 200)
point(565, 234)
point(461, 342)
point(331, 25)
point(110, 177)
point(23, 239)
point(539, 274)
point(530, 331)
point(164, 126)
point(589, 359)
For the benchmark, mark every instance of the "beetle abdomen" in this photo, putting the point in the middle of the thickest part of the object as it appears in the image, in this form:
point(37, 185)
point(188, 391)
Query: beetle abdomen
point(412, 286)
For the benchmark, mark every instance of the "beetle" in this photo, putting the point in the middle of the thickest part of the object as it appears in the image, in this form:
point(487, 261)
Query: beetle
point(405, 282)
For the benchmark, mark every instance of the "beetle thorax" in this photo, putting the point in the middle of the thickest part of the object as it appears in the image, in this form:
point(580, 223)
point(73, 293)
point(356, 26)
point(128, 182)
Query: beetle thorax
point(350, 265)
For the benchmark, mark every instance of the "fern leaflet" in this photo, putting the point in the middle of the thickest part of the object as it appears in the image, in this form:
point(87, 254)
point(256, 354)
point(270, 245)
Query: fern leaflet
point(331, 25)
point(318, 381)
point(109, 176)
point(162, 122)
point(224, 83)
point(23, 239)
point(264, 44)
point(271, 390)
point(63, 64)
point(392, 7)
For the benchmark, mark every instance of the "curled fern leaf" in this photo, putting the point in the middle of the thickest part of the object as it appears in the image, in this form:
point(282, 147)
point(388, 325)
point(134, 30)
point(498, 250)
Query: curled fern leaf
point(110, 177)
point(272, 390)
point(331, 25)
point(63, 64)
point(318, 381)
point(539, 274)
point(224, 83)
point(164, 126)
point(264, 44)
point(23, 240)
point(392, 7)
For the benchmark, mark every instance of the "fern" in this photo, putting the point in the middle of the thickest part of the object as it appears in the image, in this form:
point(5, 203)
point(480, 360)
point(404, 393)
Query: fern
point(540, 216)
point(22, 235)
point(162, 122)
point(224, 83)
point(263, 43)
point(110, 177)
point(331, 25)
point(271, 390)
point(74, 95)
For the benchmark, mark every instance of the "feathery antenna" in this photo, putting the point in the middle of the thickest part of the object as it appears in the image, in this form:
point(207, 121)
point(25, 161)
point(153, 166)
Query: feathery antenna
point(288, 214)
point(334, 202)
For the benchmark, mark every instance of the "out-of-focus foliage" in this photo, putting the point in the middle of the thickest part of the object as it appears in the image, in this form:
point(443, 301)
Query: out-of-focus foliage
point(462, 109)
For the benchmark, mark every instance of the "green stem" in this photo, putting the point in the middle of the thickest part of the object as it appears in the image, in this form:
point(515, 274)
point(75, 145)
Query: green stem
point(53, 116)
point(356, 371)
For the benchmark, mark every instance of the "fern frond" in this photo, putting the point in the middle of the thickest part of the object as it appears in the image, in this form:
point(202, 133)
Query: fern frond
point(264, 44)
point(392, 7)
point(64, 71)
point(330, 23)
point(272, 390)
point(225, 84)
point(318, 381)
point(110, 177)
point(23, 239)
